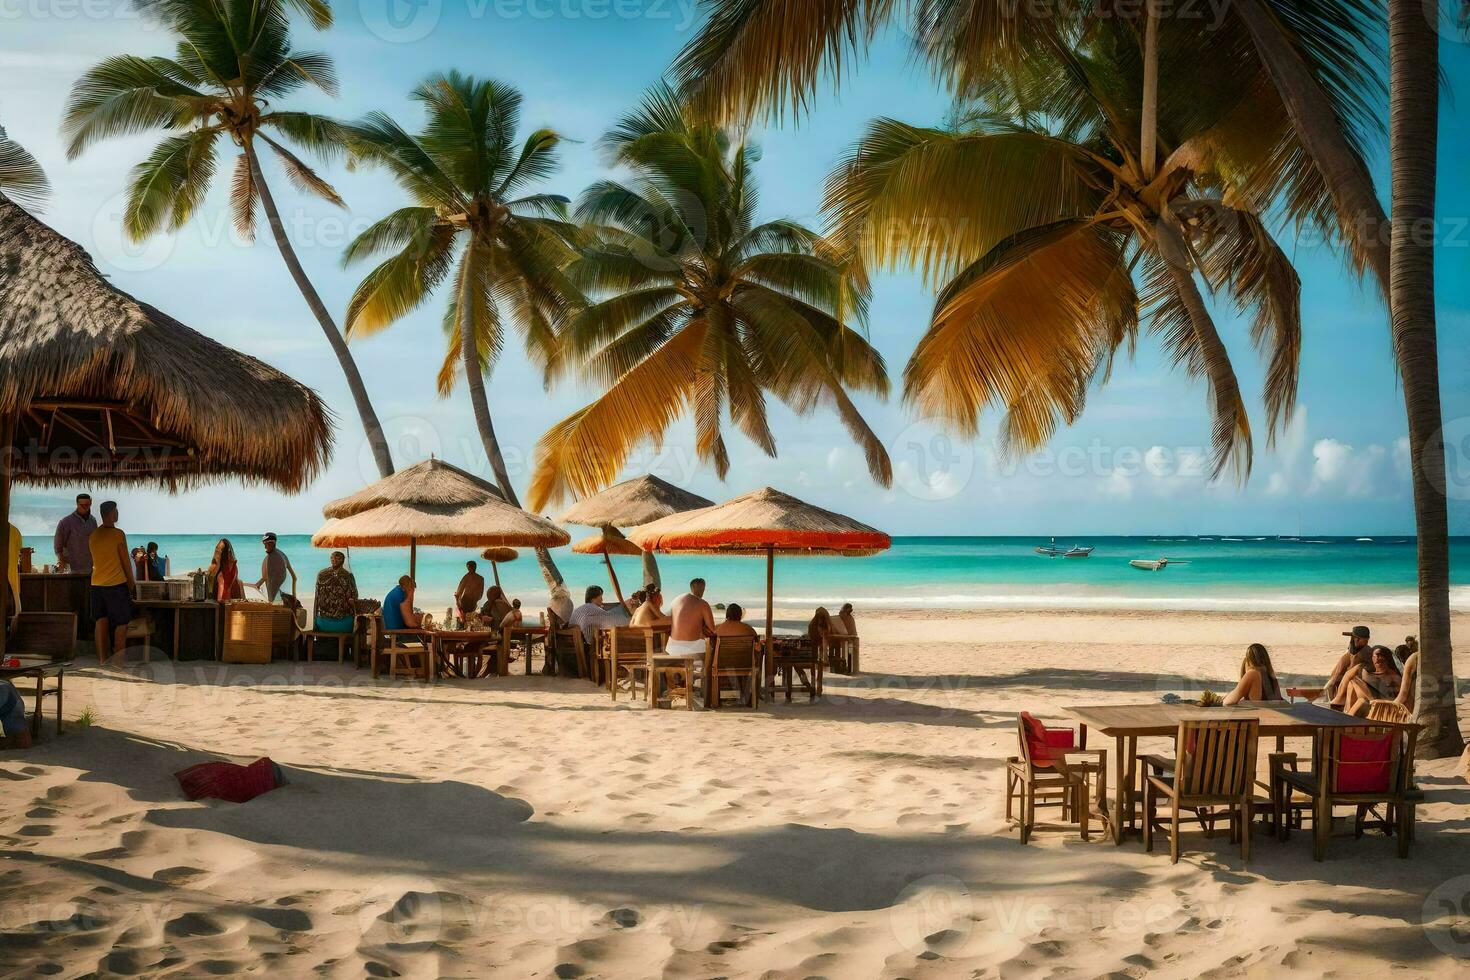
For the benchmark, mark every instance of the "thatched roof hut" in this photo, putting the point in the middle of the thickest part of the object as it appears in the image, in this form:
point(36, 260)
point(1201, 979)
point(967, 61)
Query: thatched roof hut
point(100, 385)
point(633, 502)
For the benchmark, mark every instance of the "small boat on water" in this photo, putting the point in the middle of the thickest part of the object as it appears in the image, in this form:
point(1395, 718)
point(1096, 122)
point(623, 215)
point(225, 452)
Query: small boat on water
point(1054, 550)
point(1154, 564)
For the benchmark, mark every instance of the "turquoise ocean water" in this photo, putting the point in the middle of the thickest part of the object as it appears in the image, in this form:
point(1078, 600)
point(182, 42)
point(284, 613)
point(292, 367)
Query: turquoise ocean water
point(952, 572)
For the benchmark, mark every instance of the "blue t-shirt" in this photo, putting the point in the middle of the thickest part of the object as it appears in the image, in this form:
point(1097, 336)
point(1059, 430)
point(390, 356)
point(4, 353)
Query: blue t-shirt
point(393, 609)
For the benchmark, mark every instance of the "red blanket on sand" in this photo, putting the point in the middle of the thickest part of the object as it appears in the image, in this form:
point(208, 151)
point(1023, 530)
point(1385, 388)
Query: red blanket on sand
point(228, 781)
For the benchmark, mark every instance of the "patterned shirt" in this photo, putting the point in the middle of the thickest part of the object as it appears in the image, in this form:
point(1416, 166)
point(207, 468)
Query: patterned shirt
point(336, 593)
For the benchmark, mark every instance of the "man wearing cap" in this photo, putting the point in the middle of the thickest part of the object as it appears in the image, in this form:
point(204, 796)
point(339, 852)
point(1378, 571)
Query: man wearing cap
point(274, 568)
point(1358, 657)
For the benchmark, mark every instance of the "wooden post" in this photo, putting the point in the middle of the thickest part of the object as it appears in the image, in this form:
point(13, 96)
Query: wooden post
point(495, 571)
point(770, 604)
point(413, 559)
point(617, 590)
point(7, 436)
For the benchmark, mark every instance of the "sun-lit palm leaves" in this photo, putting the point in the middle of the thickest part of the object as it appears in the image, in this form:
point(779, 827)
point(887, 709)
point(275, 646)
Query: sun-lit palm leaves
point(233, 63)
point(21, 177)
point(1055, 249)
point(770, 56)
point(477, 222)
point(699, 310)
point(231, 68)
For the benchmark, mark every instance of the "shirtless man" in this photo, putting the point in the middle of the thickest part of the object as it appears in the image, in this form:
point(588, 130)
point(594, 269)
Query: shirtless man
point(733, 625)
point(467, 595)
point(1358, 658)
point(651, 611)
point(693, 620)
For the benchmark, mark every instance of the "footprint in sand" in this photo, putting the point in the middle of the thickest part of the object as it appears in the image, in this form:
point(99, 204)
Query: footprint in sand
point(42, 813)
point(35, 830)
point(287, 920)
point(193, 924)
point(178, 875)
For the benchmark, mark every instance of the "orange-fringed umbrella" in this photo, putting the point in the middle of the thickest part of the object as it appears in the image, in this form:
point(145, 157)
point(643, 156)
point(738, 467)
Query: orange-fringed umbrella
point(764, 522)
point(608, 543)
point(498, 556)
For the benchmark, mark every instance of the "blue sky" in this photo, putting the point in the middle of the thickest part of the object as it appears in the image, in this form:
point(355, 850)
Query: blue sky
point(1132, 464)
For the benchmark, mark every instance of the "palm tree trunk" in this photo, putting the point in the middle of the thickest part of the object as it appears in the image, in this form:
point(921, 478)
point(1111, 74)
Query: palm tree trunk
point(1321, 134)
point(1413, 46)
point(1148, 140)
point(370, 424)
point(475, 381)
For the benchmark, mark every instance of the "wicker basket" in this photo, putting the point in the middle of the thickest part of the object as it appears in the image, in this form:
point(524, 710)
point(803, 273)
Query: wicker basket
point(253, 630)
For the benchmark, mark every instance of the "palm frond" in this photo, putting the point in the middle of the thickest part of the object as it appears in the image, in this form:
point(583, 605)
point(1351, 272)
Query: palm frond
point(769, 56)
point(1024, 328)
point(938, 201)
point(21, 177)
point(302, 177)
point(402, 282)
point(165, 188)
point(585, 451)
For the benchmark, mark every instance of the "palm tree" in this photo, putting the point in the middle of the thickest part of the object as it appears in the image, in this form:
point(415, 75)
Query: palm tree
point(1044, 237)
point(21, 177)
point(233, 62)
point(700, 309)
point(1321, 64)
point(1414, 130)
point(476, 221)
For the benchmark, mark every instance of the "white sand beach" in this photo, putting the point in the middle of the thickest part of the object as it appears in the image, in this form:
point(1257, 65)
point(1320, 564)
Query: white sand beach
point(529, 827)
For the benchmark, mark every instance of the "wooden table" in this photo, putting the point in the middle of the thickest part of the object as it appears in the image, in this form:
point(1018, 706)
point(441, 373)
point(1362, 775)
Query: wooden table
point(40, 668)
point(531, 634)
point(474, 662)
point(1127, 723)
point(198, 639)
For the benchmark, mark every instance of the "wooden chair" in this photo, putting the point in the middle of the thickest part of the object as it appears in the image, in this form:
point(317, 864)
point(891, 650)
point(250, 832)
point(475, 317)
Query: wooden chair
point(841, 653)
point(308, 639)
point(626, 651)
point(793, 661)
point(141, 628)
point(390, 645)
point(1362, 767)
point(670, 677)
point(1214, 765)
point(733, 657)
point(561, 638)
point(1053, 771)
point(45, 634)
point(1389, 711)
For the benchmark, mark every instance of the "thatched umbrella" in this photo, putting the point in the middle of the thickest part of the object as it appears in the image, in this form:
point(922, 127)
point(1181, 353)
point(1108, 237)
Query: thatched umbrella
point(432, 503)
point(608, 542)
point(631, 503)
point(100, 386)
point(764, 522)
point(497, 556)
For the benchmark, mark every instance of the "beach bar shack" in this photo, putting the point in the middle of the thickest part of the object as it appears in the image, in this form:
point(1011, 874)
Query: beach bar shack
point(98, 388)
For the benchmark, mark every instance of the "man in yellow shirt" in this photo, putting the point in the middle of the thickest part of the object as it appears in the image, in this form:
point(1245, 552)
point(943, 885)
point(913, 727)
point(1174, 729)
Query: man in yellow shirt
point(112, 585)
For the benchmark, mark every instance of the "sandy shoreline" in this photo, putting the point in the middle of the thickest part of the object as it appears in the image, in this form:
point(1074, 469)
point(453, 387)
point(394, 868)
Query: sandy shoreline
point(529, 827)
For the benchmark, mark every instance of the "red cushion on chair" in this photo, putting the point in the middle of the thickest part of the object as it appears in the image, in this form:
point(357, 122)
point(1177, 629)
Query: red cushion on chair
point(1042, 743)
point(1363, 764)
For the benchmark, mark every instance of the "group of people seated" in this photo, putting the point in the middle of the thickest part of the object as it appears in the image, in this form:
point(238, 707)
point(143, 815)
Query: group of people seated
point(1363, 674)
point(690, 620)
point(497, 611)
